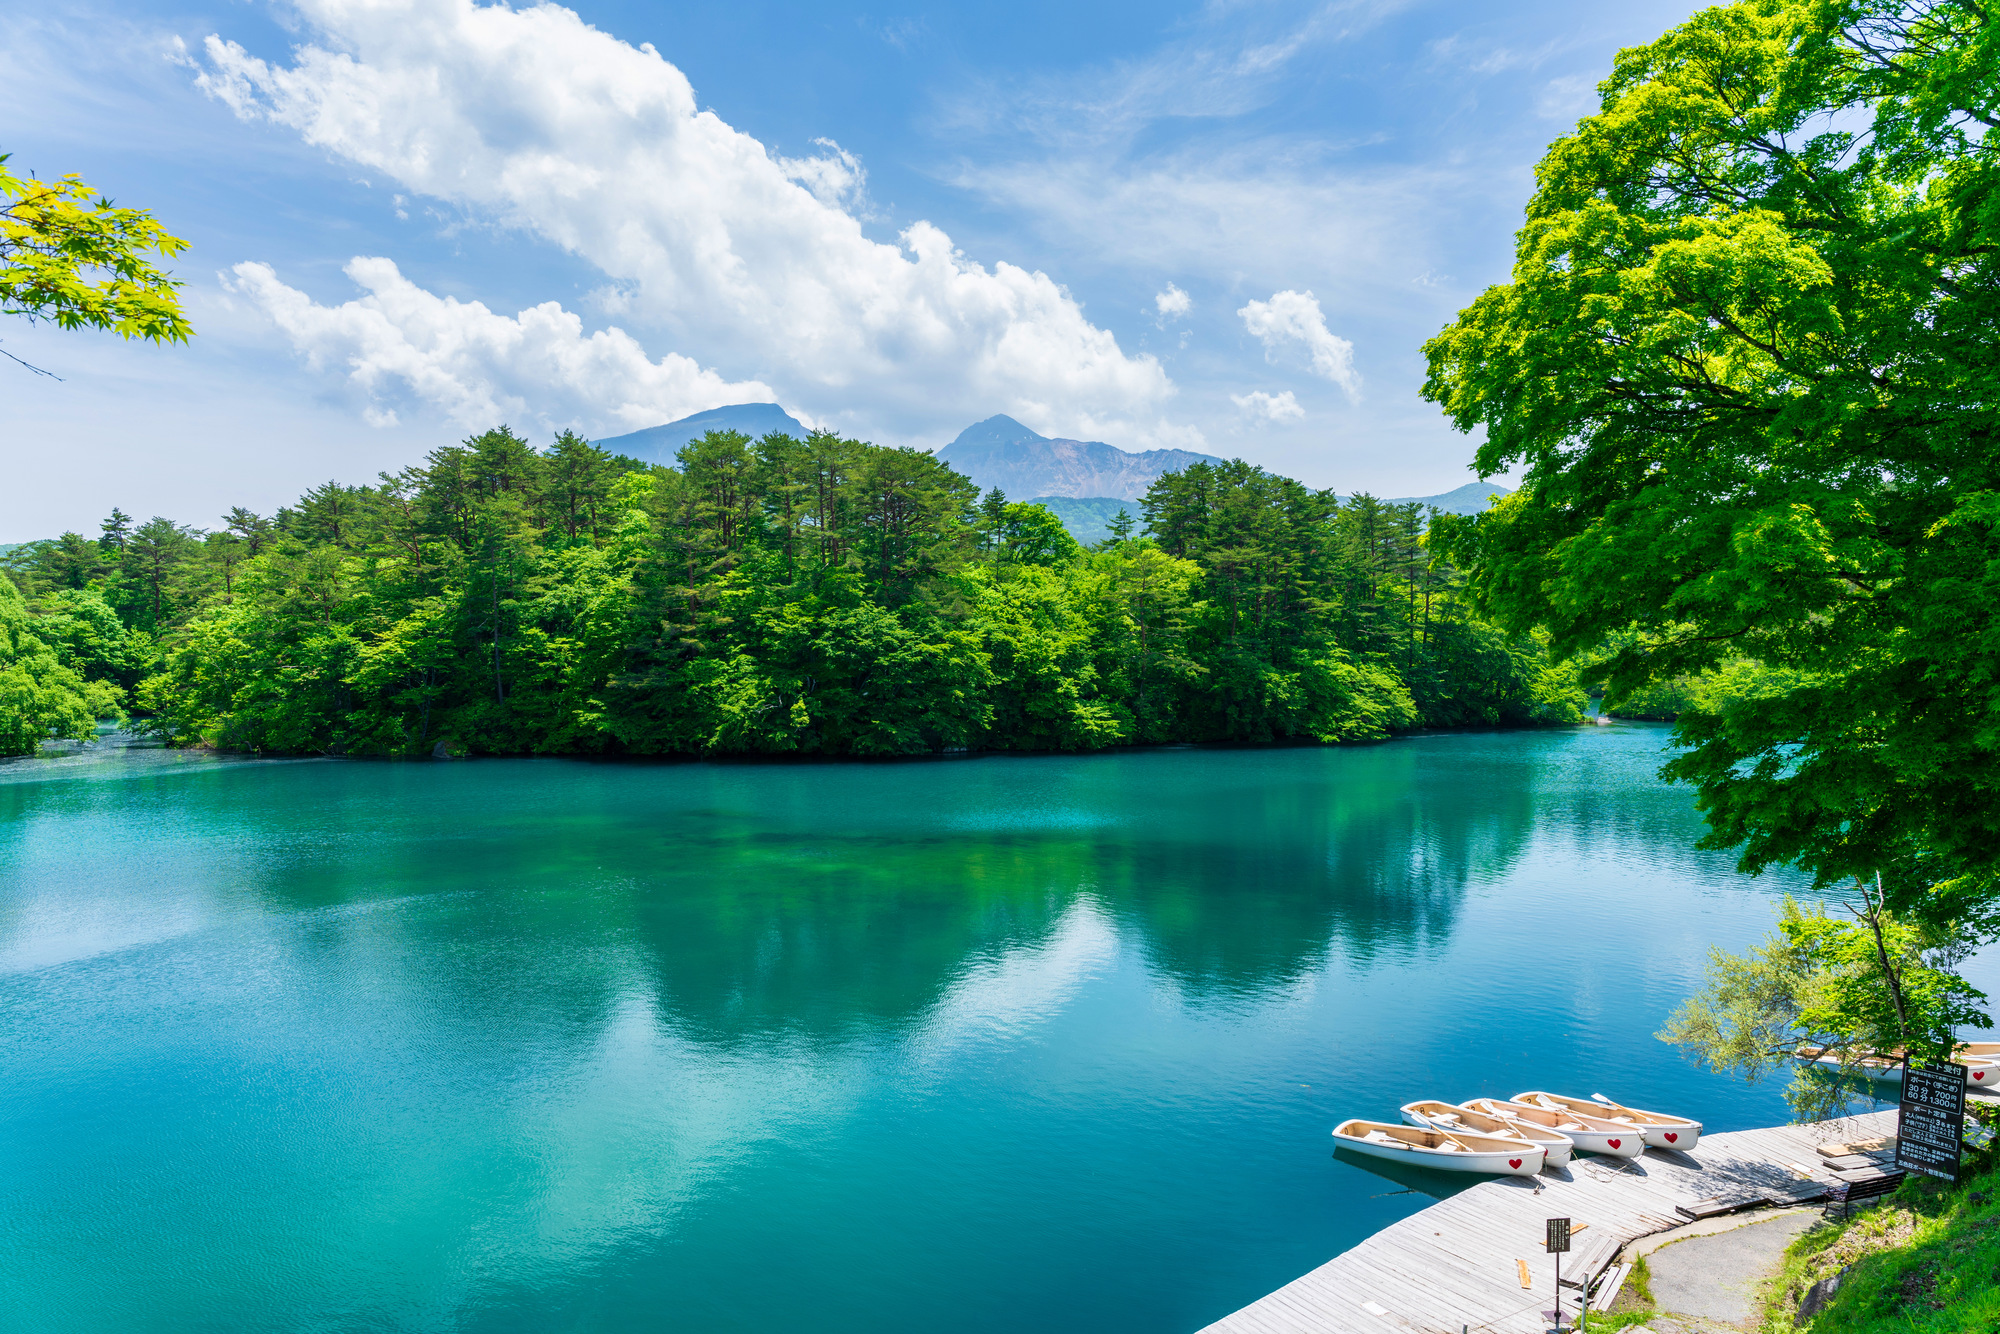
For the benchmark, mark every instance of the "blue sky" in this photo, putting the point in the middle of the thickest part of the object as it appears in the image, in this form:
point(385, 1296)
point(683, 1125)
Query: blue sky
point(1227, 227)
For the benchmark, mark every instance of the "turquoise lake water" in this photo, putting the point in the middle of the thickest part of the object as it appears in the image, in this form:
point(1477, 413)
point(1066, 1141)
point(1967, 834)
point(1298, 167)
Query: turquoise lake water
point(985, 1044)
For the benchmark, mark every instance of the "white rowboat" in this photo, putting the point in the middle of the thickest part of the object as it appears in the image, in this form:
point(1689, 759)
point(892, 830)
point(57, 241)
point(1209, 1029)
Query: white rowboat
point(1557, 1146)
point(1450, 1151)
point(1658, 1129)
point(1592, 1134)
point(1980, 1062)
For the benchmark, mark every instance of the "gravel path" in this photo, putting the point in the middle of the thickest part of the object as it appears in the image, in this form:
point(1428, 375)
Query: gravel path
point(1716, 1276)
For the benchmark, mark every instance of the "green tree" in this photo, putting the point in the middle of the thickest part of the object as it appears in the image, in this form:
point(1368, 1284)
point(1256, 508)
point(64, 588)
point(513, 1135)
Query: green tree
point(1822, 985)
point(162, 578)
point(40, 696)
point(1745, 365)
point(83, 262)
point(114, 531)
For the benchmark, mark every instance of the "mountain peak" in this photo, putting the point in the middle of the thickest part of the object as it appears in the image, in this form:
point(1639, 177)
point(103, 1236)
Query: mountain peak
point(999, 429)
point(1001, 452)
point(658, 444)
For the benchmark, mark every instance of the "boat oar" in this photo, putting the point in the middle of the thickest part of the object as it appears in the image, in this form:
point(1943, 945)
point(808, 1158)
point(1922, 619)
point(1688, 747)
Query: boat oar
point(1435, 1128)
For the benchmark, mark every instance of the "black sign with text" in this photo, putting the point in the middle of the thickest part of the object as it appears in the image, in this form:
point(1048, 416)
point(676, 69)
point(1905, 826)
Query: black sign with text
point(1558, 1238)
point(1931, 1121)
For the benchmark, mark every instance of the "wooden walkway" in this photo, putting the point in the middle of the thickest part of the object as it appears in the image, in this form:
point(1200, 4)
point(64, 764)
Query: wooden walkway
point(1457, 1265)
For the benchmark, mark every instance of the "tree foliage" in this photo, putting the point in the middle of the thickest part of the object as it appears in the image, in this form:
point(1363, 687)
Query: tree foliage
point(1746, 366)
point(42, 694)
point(1851, 987)
point(775, 596)
point(72, 256)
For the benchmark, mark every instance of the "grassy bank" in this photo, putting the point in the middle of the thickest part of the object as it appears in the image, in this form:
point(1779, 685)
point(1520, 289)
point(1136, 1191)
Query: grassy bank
point(1926, 1261)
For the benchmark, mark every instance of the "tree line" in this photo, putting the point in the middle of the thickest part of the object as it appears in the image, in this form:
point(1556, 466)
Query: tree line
point(775, 596)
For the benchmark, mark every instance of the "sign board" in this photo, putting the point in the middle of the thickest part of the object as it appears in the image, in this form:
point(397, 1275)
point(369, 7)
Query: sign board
point(1931, 1120)
point(1558, 1239)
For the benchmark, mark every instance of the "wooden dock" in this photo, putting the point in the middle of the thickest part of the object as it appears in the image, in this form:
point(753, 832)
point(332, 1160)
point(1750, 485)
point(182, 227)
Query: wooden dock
point(1475, 1262)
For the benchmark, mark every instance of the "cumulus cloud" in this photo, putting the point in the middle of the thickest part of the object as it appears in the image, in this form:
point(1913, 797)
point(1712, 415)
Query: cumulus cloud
point(1296, 317)
point(1263, 407)
point(535, 120)
point(1172, 304)
point(478, 367)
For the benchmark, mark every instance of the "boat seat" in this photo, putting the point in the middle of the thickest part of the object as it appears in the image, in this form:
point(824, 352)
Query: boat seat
point(1381, 1137)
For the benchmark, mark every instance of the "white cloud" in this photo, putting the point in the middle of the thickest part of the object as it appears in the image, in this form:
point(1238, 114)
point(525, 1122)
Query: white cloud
point(835, 177)
point(536, 120)
point(1227, 61)
point(1485, 58)
point(1569, 98)
point(1172, 304)
point(480, 368)
point(1295, 316)
point(1263, 407)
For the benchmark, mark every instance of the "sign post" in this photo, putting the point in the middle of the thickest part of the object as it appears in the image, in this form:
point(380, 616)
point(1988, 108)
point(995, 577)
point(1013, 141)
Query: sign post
point(1930, 1123)
point(1556, 1242)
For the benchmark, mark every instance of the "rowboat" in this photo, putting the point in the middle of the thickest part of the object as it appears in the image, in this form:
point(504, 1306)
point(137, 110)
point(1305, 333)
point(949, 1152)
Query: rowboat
point(1659, 1130)
point(1450, 1151)
point(1980, 1062)
point(1867, 1064)
point(1592, 1134)
point(1445, 1116)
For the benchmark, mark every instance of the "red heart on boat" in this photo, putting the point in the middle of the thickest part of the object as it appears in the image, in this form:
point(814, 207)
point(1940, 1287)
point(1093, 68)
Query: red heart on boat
point(1614, 1143)
point(1513, 1162)
point(1979, 1074)
point(1671, 1137)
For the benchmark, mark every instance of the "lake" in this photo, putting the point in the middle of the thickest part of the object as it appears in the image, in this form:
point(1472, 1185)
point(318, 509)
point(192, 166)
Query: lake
point(989, 1043)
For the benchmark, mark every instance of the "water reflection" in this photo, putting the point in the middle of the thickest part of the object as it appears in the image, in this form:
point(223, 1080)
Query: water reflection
point(545, 1044)
point(820, 902)
point(1425, 1181)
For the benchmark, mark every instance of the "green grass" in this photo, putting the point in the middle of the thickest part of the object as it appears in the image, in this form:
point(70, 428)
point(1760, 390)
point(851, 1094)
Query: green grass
point(1927, 1261)
point(1639, 1282)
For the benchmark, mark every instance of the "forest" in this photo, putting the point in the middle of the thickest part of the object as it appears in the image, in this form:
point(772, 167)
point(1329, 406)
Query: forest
point(822, 596)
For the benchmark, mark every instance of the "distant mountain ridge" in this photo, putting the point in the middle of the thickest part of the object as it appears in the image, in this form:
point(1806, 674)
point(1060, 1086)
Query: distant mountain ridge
point(1001, 452)
point(1472, 498)
point(658, 444)
point(1094, 478)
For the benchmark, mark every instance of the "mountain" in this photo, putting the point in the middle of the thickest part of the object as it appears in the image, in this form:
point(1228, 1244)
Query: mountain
point(1088, 519)
point(1468, 499)
point(657, 444)
point(1001, 452)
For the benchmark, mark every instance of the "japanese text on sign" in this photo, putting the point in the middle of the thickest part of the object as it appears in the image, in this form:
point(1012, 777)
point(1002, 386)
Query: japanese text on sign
point(1931, 1120)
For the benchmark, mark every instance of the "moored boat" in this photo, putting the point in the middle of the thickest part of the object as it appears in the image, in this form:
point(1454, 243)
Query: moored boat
point(1978, 1061)
point(1660, 1130)
point(1447, 1150)
point(1592, 1134)
point(1448, 1116)
point(1868, 1065)
point(1982, 1063)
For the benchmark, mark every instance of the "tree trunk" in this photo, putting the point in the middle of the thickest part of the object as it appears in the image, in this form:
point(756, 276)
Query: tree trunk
point(1874, 916)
